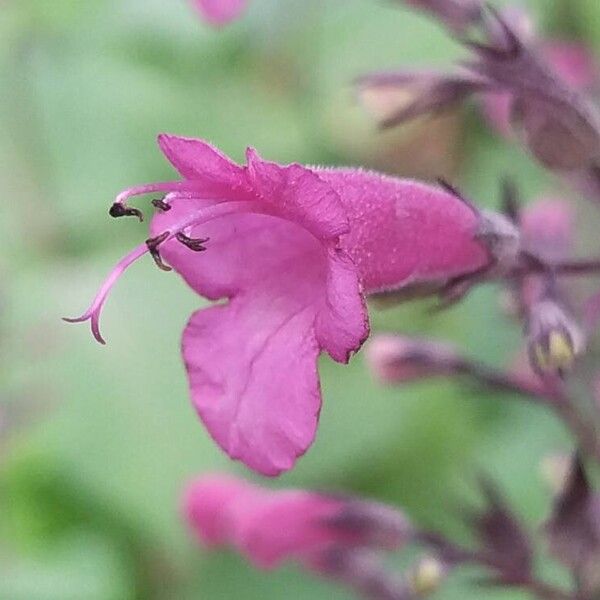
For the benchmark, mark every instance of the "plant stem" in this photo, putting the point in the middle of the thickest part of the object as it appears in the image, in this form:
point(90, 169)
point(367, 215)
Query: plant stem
point(587, 266)
point(457, 554)
point(551, 393)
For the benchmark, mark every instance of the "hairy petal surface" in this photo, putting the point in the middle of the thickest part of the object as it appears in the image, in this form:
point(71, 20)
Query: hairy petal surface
point(403, 231)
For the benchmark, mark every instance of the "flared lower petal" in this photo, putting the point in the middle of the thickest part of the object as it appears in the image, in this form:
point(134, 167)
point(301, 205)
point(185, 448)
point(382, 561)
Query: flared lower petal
point(342, 324)
point(252, 369)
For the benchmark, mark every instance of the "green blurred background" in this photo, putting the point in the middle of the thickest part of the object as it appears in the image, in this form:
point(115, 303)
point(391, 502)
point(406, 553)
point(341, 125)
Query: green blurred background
point(102, 439)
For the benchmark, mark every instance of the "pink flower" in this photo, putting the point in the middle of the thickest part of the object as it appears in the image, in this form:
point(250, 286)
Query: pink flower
point(269, 527)
point(293, 250)
point(220, 12)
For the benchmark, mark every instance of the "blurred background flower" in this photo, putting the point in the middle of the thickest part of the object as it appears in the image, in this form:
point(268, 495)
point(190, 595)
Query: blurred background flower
point(89, 483)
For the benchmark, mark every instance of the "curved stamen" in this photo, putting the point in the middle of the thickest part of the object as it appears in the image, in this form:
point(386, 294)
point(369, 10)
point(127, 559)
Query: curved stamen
point(197, 217)
point(93, 312)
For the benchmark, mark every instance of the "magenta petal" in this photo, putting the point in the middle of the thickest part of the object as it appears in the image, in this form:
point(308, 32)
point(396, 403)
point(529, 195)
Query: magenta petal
point(220, 12)
point(342, 324)
point(197, 160)
point(208, 506)
point(403, 231)
point(300, 196)
point(253, 379)
point(286, 525)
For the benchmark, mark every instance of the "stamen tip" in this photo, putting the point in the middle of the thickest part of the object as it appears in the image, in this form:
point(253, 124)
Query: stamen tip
point(118, 209)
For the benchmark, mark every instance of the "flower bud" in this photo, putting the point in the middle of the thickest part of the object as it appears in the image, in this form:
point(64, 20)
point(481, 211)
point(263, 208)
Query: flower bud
point(394, 97)
point(563, 135)
point(398, 359)
point(554, 338)
point(371, 524)
point(560, 126)
point(427, 575)
point(555, 470)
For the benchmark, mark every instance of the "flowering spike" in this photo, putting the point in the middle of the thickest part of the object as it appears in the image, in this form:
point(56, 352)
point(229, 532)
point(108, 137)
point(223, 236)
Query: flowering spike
point(121, 210)
point(559, 125)
point(153, 244)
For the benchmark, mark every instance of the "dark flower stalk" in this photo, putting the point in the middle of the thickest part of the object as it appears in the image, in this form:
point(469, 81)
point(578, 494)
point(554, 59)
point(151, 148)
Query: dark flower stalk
point(396, 360)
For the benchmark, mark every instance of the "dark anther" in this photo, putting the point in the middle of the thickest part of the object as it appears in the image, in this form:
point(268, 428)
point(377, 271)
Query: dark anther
point(153, 244)
point(118, 209)
point(195, 244)
point(161, 204)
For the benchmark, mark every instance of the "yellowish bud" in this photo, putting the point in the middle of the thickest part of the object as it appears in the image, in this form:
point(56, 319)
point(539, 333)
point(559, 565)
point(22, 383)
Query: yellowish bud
point(427, 576)
point(557, 355)
point(555, 340)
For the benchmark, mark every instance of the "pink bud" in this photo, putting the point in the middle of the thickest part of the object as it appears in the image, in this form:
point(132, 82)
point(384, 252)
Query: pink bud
point(269, 527)
point(398, 359)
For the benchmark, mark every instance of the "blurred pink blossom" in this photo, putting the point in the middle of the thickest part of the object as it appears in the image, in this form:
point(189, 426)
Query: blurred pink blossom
point(220, 12)
point(269, 527)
